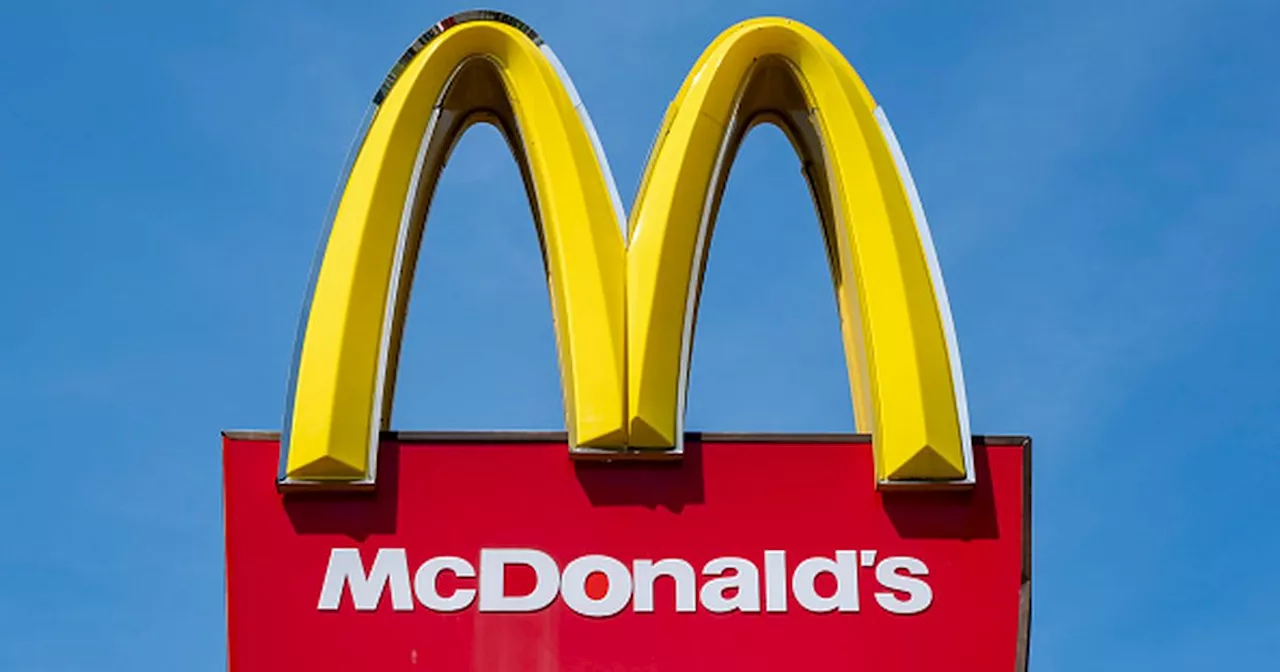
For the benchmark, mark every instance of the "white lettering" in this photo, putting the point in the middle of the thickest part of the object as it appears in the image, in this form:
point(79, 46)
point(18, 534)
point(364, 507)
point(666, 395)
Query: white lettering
point(775, 581)
point(845, 570)
point(919, 594)
point(647, 572)
point(424, 584)
point(745, 580)
point(600, 586)
point(347, 569)
point(576, 592)
point(493, 563)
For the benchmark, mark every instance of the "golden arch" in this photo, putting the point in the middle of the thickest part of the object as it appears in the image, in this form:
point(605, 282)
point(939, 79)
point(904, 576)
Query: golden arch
point(624, 313)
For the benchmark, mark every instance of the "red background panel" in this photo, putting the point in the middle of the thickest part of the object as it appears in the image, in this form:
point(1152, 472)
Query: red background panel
point(723, 499)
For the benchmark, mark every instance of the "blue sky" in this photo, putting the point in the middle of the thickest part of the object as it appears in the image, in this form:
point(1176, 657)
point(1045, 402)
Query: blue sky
point(1098, 176)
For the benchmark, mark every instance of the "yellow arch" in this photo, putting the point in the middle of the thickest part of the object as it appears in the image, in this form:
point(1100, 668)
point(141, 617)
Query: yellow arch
point(624, 317)
point(903, 366)
point(478, 70)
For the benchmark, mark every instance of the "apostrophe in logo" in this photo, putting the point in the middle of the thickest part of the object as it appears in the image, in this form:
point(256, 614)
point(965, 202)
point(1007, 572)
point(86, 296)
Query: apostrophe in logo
point(624, 308)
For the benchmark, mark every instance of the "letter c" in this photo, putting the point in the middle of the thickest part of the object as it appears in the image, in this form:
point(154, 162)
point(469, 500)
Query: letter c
point(424, 584)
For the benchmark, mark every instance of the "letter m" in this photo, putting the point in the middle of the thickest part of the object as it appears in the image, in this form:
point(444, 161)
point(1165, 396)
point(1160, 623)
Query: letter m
point(347, 569)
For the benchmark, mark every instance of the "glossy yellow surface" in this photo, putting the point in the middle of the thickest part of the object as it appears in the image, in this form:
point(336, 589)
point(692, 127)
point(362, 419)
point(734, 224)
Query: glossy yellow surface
point(336, 396)
point(895, 342)
point(624, 316)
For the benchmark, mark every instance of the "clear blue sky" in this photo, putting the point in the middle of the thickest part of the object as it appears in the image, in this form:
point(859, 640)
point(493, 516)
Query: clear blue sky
point(1099, 175)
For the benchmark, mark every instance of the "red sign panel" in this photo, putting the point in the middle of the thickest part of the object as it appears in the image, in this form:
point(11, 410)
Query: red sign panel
point(749, 554)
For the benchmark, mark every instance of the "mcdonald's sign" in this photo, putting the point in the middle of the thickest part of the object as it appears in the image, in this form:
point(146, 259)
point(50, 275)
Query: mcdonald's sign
point(627, 542)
